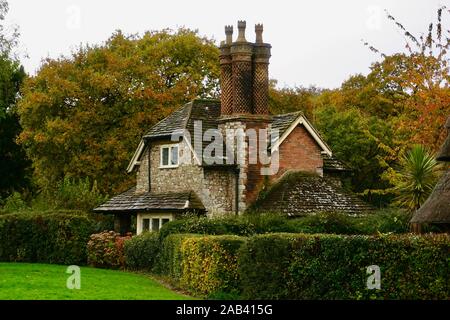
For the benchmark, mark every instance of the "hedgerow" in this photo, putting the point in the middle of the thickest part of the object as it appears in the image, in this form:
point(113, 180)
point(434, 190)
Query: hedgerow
point(59, 237)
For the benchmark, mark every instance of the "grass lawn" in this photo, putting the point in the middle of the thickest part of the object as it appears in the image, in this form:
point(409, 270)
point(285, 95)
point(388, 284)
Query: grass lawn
point(31, 281)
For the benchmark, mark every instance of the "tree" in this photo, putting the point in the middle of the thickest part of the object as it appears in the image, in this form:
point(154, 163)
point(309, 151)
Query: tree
point(421, 77)
point(287, 99)
point(363, 143)
point(14, 165)
point(83, 115)
point(416, 178)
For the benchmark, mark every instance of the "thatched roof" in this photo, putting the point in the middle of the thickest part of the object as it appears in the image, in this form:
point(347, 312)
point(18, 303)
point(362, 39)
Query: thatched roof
point(437, 207)
point(444, 153)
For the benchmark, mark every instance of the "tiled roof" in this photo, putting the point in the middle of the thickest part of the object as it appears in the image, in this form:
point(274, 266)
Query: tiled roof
point(298, 194)
point(174, 122)
point(149, 201)
point(283, 121)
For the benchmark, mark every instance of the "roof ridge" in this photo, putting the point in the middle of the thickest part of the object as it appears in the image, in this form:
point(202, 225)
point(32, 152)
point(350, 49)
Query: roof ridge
point(288, 113)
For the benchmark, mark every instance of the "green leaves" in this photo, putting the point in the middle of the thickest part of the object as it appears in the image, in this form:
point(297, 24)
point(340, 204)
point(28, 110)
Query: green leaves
point(416, 178)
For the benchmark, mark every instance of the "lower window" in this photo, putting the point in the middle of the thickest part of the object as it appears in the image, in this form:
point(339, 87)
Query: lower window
point(153, 223)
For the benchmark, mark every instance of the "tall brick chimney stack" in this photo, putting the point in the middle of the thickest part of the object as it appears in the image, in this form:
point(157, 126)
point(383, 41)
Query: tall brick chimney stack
point(244, 73)
point(226, 81)
point(261, 56)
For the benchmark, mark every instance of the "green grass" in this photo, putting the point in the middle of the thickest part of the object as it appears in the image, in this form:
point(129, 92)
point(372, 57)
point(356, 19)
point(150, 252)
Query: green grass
point(32, 281)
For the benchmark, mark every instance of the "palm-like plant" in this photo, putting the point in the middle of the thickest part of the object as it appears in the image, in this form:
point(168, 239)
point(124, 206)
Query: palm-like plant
point(416, 178)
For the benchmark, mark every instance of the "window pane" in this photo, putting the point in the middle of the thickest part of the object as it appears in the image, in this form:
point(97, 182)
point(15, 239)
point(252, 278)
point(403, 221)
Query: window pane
point(174, 155)
point(164, 221)
point(145, 224)
point(165, 156)
point(155, 224)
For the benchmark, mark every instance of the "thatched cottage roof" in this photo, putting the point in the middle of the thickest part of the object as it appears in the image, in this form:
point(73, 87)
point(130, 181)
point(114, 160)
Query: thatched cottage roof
point(437, 207)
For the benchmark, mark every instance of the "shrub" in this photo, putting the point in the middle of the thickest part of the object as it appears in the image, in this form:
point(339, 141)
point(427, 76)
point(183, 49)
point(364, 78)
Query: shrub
point(301, 266)
point(384, 221)
point(14, 203)
point(47, 238)
point(170, 258)
point(142, 251)
point(324, 222)
point(204, 225)
point(106, 250)
point(209, 264)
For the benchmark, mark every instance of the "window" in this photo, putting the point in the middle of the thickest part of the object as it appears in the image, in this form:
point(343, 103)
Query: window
point(155, 224)
point(152, 221)
point(145, 224)
point(169, 156)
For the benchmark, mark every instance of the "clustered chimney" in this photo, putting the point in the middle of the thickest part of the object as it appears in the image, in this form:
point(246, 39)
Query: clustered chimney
point(244, 77)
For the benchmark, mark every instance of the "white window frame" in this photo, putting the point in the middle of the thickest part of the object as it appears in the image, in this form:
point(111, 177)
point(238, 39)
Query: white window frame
point(151, 217)
point(169, 146)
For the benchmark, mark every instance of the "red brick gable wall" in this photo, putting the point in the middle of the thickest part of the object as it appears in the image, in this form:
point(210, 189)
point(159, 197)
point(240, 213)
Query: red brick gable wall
point(300, 152)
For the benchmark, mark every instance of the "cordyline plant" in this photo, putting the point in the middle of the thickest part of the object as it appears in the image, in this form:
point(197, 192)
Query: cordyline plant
point(416, 178)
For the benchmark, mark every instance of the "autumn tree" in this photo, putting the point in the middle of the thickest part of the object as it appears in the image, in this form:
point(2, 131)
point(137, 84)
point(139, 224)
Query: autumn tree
point(420, 79)
point(284, 100)
point(83, 115)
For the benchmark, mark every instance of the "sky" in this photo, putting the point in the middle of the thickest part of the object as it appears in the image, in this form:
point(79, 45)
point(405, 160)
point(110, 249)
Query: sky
point(313, 42)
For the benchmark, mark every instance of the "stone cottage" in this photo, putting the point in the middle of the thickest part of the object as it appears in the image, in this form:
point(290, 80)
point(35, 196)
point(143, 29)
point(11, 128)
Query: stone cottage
point(214, 157)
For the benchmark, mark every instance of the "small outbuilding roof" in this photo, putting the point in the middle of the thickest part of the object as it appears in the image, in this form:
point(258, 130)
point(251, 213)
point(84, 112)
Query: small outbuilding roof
point(130, 201)
point(299, 194)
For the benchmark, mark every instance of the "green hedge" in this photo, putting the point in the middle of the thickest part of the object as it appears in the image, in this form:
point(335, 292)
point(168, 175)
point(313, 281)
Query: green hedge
point(384, 221)
point(49, 238)
point(209, 265)
point(142, 252)
point(300, 266)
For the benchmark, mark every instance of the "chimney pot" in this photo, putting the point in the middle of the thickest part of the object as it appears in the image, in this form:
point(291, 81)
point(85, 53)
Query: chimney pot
point(241, 29)
point(259, 31)
point(229, 34)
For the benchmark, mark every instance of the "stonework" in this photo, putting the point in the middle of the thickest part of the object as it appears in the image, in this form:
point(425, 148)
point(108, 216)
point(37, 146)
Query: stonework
point(214, 187)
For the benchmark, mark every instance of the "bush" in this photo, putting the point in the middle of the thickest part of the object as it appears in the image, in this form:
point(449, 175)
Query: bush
point(48, 238)
point(170, 257)
point(106, 250)
point(326, 222)
point(204, 225)
point(301, 266)
point(142, 251)
point(14, 202)
point(209, 265)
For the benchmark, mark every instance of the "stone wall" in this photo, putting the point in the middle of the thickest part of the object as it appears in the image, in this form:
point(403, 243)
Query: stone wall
point(214, 187)
point(142, 174)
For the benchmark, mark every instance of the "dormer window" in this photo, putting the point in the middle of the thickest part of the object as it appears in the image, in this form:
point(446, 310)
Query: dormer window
point(169, 156)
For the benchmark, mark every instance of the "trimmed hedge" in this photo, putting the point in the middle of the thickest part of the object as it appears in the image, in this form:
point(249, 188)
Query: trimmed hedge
point(301, 266)
point(142, 251)
point(49, 238)
point(326, 222)
point(209, 265)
